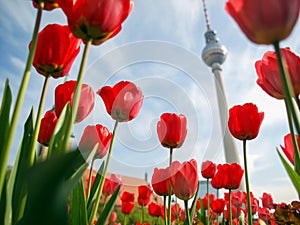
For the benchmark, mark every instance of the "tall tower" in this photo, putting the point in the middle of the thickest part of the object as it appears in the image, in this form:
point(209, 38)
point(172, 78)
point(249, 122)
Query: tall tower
point(214, 55)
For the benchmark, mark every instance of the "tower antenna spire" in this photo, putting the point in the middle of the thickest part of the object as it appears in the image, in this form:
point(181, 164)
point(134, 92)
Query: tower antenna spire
point(206, 15)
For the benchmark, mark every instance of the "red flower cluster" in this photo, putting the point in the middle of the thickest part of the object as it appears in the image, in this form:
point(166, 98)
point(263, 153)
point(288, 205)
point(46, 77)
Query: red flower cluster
point(228, 176)
point(144, 195)
point(127, 199)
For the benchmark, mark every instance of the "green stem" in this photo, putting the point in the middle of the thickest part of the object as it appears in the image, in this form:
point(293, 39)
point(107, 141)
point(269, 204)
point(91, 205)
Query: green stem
point(99, 193)
point(90, 179)
point(296, 147)
point(38, 121)
point(287, 87)
point(142, 213)
point(124, 220)
point(170, 190)
point(250, 221)
point(208, 200)
point(77, 93)
point(230, 209)
point(187, 212)
point(165, 209)
point(4, 153)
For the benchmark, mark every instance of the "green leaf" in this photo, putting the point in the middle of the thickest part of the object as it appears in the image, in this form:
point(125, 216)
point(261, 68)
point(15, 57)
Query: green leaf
point(109, 207)
point(49, 186)
point(4, 114)
point(78, 206)
point(23, 163)
point(59, 137)
point(295, 178)
point(193, 206)
point(94, 188)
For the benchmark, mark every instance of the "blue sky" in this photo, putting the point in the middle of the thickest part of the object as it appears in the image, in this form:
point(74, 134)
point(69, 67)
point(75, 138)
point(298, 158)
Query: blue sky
point(159, 48)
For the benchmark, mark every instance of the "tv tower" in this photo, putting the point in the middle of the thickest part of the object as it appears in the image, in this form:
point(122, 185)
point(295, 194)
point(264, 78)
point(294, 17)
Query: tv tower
point(214, 55)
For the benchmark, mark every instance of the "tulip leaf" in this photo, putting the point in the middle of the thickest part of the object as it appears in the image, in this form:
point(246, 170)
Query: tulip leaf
point(4, 114)
point(58, 138)
point(295, 178)
point(109, 207)
point(78, 206)
point(94, 189)
point(23, 163)
point(49, 186)
point(193, 206)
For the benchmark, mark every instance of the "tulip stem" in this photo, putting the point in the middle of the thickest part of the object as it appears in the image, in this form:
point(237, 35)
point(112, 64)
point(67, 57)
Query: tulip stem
point(32, 148)
point(187, 212)
point(296, 147)
point(4, 153)
point(90, 179)
point(165, 209)
point(76, 98)
point(250, 222)
point(170, 190)
point(99, 193)
point(143, 213)
point(230, 209)
point(287, 88)
point(125, 219)
point(208, 200)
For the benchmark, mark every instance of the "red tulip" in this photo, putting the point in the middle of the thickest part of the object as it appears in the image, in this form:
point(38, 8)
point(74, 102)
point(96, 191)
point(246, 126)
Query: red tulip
point(138, 223)
point(98, 20)
point(232, 175)
point(48, 4)
point(264, 21)
point(264, 214)
point(123, 101)
point(56, 51)
point(96, 134)
point(127, 197)
point(217, 205)
point(127, 207)
point(48, 124)
point(64, 93)
point(177, 213)
point(172, 130)
point(111, 184)
point(155, 210)
point(217, 181)
point(144, 195)
point(208, 169)
point(184, 179)
point(205, 200)
point(288, 147)
point(237, 198)
point(160, 181)
point(267, 200)
point(244, 121)
point(269, 78)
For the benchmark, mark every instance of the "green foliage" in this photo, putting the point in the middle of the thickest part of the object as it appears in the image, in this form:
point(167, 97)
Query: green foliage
point(22, 164)
point(108, 208)
point(78, 206)
point(295, 178)
point(49, 185)
point(135, 216)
